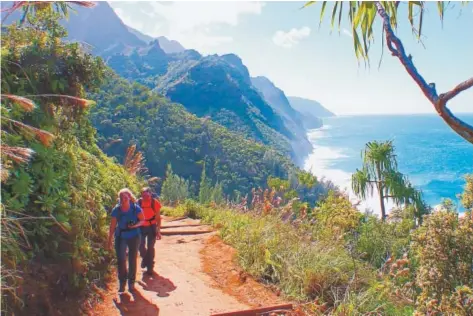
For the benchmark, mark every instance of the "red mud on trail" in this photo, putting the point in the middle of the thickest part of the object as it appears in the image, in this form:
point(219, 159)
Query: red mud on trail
point(195, 275)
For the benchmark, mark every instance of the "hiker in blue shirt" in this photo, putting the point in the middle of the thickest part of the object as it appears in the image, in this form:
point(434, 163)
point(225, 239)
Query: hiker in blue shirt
point(127, 217)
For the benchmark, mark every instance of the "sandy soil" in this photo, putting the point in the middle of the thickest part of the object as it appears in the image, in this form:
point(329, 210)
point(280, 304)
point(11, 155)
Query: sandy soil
point(195, 275)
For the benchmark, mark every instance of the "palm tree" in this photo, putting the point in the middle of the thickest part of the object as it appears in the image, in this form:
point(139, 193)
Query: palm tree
point(30, 7)
point(380, 172)
point(362, 16)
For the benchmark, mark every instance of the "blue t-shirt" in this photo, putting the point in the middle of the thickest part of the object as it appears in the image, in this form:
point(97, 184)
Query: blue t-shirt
point(125, 218)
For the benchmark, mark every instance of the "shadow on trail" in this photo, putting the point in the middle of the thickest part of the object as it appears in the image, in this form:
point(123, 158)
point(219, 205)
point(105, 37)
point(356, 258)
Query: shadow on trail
point(138, 306)
point(158, 284)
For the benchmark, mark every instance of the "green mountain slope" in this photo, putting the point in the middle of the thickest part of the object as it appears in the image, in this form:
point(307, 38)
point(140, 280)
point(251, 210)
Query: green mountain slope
point(166, 133)
point(215, 86)
point(296, 122)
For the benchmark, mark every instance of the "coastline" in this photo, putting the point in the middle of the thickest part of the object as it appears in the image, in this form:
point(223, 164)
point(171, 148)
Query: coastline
point(320, 162)
point(324, 160)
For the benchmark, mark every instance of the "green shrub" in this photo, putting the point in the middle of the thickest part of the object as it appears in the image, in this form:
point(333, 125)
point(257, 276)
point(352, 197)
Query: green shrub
point(175, 188)
point(443, 248)
point(54, 208)
point(377, 240)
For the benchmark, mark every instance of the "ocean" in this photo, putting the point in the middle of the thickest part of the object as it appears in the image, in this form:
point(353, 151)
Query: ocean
point(434, 158)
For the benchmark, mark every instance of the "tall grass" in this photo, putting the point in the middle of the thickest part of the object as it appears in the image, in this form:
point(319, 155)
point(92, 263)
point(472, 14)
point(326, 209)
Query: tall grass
point(322, 272)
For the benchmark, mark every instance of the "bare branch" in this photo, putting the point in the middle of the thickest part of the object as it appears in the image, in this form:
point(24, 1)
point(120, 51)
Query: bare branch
point(465, 85)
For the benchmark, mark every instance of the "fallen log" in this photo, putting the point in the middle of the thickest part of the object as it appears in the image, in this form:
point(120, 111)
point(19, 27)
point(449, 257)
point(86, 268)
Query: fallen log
point(258, 311)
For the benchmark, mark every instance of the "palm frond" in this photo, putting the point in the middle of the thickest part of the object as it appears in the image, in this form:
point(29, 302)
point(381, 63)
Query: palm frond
point(86, 4)
point(362, 16)
point(379, 154)
point(362, 184)
point(29, 6)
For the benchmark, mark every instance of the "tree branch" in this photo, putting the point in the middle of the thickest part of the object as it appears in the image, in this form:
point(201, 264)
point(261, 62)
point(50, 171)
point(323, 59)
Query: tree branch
point(396, 47)
point(398, 51)
point(465, 85)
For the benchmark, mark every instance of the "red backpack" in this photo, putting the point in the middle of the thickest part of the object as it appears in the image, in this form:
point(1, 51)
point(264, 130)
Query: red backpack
point(148, 217)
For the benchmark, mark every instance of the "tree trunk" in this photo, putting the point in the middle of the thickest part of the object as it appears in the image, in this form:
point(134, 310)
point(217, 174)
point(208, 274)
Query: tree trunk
point(381, 201)
point(381, 193)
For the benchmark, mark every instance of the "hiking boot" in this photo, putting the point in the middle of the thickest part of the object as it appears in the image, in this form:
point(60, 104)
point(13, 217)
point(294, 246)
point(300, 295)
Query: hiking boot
point(149, 272)
point(122, 287)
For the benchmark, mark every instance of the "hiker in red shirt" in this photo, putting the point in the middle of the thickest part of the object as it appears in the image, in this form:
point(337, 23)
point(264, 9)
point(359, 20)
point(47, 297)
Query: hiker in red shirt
point(150, 229)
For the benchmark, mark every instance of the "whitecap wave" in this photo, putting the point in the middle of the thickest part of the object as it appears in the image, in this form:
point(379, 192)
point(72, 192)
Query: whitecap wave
point(320, 163)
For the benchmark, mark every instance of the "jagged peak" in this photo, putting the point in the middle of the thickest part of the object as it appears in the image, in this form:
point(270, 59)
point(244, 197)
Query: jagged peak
point(233, 59)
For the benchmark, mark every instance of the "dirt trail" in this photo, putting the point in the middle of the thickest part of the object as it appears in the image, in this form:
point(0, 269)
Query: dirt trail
point(195, 275)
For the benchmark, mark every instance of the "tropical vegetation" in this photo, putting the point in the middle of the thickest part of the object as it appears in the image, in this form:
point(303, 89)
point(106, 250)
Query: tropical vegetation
point(54, 210)
point(380, 171)
point(294, 232)
point(334, 260)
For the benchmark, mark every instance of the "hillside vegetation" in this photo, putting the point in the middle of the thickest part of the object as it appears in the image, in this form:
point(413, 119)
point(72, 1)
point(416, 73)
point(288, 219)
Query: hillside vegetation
point(129, 113)
point(54, 208)
point(334, 260)
point(215, 86)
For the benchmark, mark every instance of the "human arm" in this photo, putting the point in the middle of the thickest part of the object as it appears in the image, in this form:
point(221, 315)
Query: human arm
point(113, 225)
point(158, 218)
point(141, 217)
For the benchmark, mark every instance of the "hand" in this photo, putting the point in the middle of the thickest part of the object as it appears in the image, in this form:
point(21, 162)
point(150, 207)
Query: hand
point(136, 225)
point(158, 235)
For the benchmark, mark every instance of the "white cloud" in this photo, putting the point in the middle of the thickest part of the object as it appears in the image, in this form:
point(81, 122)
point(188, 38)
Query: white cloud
point(347, 33)
point(290, 38)
point(128, 20)
point(193, 24)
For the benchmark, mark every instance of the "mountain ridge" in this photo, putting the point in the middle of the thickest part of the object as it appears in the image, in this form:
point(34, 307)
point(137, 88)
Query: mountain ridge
point(218, 87)
point(309, 106)
point(294, 120)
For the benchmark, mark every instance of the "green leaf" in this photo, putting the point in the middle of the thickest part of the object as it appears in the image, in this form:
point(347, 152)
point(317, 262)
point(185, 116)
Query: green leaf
point(360, 12)
point(54, 85)
point(308, 3)
point(340, 16)
point(334, 12)
point(322, 11)
point(61, 218)
point(441, 9)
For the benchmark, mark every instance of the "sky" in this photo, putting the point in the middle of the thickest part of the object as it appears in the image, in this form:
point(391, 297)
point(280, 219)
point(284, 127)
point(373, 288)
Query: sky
point(286, 44)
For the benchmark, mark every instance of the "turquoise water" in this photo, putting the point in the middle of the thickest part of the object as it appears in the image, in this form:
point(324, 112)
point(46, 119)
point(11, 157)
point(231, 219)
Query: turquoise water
point(433, 157)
